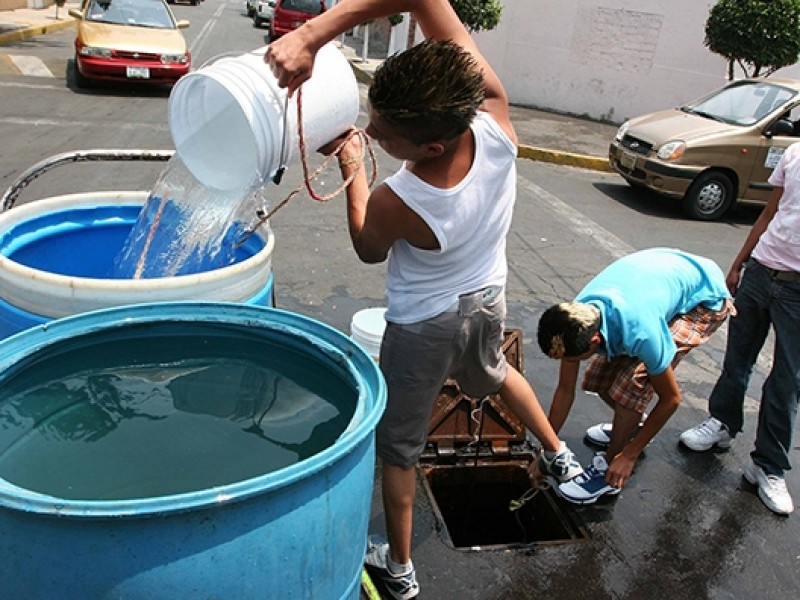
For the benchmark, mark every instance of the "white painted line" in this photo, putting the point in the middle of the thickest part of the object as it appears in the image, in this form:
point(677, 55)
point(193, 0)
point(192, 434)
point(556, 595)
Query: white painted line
point(30, 65)
point(578, 222)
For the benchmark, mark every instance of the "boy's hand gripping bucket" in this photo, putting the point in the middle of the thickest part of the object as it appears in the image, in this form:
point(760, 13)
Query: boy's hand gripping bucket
point(233, 126)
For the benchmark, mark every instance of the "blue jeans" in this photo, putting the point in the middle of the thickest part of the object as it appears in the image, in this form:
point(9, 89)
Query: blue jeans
point(762, 301)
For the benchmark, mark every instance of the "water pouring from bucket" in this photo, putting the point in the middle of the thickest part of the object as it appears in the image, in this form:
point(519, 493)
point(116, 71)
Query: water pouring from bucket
point(234, 129)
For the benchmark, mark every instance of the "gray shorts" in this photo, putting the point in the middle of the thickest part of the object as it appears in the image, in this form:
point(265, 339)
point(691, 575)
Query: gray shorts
point(417, 359)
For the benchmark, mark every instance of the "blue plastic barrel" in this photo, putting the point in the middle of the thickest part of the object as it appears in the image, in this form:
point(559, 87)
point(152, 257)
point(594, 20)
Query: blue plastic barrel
point(298, 532)
point(57, 254)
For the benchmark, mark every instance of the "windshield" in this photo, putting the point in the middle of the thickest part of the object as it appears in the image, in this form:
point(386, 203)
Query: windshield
point(312, 7)
point(742, 104)
point(141, 13)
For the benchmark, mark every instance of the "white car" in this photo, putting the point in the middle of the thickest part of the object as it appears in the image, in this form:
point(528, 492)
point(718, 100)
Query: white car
point(263, 13)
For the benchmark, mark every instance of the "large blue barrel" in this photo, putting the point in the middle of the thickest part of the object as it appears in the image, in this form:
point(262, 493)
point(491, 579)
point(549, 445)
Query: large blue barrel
point(298, 532)
point(56, 256)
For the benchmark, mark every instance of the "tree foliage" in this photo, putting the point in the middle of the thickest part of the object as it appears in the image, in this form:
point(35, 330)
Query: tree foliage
point(761, 36)
point(478, 15)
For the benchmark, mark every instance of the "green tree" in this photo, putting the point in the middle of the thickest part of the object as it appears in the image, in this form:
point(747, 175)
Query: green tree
point(761, 36)
point(478, 15)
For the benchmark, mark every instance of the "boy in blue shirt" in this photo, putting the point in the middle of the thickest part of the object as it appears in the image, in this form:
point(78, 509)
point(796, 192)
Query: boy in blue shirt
point(636, 320)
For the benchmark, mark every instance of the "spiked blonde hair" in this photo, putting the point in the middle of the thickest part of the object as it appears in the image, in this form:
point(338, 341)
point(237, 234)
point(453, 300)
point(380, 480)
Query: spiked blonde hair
point(566, 329)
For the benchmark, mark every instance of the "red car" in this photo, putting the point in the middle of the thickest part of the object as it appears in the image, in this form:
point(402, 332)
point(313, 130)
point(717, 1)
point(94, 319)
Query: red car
point(129, 40)
point(290, 14)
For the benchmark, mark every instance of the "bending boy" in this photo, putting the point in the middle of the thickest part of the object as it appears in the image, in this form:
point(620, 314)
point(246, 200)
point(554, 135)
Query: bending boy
point(635, 320)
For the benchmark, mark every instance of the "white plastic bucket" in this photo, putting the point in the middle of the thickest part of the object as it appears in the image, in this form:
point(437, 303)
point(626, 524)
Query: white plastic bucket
point(366, 329)
point(228, 118)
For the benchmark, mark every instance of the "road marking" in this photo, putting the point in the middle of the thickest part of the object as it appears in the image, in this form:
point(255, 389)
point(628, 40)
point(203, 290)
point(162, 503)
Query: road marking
point(578, 222)
point(81, 124)
point(30, 65)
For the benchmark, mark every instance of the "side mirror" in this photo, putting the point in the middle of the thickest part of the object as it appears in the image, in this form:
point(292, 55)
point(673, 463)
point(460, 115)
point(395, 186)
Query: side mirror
point(74, 12)
point(183, 24)
point(782, 127)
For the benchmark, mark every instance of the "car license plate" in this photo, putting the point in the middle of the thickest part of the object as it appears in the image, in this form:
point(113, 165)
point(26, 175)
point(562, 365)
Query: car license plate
point(628, 161)
point(138, 73)
point(773, 156)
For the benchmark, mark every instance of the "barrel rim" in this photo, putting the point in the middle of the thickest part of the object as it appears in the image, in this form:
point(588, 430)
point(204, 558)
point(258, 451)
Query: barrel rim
point(343, 353)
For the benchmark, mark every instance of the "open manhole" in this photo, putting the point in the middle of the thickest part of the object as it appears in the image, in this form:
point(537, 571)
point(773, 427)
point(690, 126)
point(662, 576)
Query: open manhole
point(472, 503)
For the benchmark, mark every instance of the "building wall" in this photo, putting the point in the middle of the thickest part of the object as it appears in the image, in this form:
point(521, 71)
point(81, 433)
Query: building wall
point(607, 59)
point(12, 4)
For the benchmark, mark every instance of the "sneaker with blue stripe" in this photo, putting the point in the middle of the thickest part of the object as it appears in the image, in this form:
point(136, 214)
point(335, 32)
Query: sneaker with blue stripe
point(401, 586)
point(590, 485)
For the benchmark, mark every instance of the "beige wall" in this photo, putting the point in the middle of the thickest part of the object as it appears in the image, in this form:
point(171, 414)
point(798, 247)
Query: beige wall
point(12, 4)
point(607, 59)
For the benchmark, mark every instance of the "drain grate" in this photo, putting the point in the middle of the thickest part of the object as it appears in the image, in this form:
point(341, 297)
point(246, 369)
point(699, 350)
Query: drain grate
point(472, 502)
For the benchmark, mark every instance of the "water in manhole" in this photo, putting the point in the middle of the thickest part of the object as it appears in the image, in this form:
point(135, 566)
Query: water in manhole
point(473, 502)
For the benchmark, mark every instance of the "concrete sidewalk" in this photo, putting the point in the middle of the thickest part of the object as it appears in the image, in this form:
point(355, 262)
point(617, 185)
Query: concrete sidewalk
point(23, 23)
point(544, 136)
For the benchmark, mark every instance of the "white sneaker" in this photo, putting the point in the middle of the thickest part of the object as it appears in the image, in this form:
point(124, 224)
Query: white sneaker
point(590, 485)
point(711, 432)
point(563, 466)
point(401, 586)
point(600, 435)
point(771, 489)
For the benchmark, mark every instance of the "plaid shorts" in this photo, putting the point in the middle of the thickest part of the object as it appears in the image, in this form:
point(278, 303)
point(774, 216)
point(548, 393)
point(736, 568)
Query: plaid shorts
point(625, 380)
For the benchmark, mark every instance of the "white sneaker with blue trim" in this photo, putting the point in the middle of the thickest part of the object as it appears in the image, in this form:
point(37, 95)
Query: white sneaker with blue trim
point(589, 486)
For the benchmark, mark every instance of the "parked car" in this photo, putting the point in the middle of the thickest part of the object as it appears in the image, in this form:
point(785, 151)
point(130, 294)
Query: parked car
point(715, 150)
point(129, 40)
point(290, 14)
point(264, 12)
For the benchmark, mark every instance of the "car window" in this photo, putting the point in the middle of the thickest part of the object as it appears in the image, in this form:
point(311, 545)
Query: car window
point(142, 13)
point(312, 7)
point(743, 104)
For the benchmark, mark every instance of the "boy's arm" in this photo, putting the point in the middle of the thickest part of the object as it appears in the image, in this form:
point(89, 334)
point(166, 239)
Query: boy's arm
point(291, 57)
point(564, 395)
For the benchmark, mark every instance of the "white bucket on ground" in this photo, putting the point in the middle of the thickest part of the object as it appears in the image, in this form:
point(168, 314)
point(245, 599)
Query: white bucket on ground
point(228, 118)
point(366, 329)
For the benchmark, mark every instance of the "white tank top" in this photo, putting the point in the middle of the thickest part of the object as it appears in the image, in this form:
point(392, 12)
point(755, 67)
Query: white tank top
point(470, 221)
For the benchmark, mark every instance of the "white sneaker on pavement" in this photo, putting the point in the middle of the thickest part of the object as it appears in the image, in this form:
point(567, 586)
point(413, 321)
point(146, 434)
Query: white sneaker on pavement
point(711, 432)
point(771, 489)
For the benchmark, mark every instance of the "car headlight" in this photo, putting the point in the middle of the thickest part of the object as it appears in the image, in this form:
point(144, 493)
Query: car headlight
point(170, 59)
point(623, 129)
point(672, 150)
point(95, 51)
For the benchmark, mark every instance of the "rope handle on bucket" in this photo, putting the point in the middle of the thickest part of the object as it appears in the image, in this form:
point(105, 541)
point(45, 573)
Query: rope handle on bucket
point(263, 217)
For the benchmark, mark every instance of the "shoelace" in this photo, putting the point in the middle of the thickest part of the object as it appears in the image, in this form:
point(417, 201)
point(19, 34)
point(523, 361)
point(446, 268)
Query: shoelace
point(708, 426)
point(776, 483)
point(587, 475)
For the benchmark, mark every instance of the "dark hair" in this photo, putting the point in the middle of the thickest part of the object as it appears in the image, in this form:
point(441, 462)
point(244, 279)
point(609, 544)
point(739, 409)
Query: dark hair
point(566, 329)
point(429, 92)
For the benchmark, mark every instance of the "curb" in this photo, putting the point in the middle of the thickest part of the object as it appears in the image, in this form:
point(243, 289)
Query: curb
point(569, 159)
point(25, 32)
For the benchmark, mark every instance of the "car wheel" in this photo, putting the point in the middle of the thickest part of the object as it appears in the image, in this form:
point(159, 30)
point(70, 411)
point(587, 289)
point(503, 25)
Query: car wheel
point(251, 12)
point(709, 197)
point(80, 80)
point(257, 22)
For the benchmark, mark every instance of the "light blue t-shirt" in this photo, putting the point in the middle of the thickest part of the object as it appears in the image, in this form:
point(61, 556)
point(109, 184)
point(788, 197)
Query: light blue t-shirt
point(639, 294)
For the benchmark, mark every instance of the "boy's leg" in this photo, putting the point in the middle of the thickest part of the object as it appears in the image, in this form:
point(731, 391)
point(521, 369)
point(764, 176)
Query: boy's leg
point(519, 396)
point(624, 426)
point(399, 486)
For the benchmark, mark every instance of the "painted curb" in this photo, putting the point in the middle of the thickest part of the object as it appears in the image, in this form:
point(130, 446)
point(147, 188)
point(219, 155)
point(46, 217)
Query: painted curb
point(583, 161)
point(26, 32)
